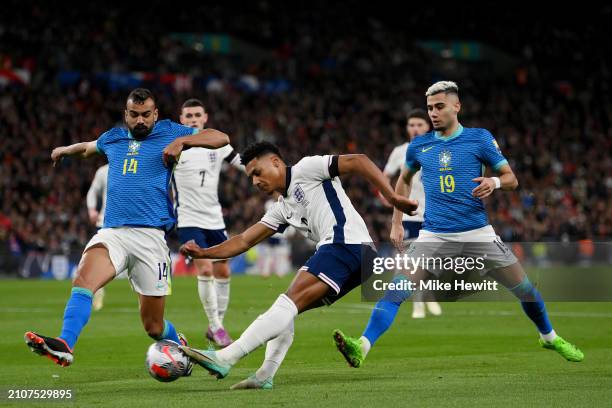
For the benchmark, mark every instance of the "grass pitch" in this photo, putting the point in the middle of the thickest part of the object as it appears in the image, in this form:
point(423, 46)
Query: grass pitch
point(475, 354)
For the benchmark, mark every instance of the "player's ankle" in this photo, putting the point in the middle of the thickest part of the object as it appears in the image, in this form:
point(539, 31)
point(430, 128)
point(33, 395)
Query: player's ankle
point(365, 345)
point(549, 337)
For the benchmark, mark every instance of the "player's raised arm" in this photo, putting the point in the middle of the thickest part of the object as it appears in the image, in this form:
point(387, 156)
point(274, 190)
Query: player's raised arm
point(362, 165)
point(233, 246)
point(81, 150)
point(208, 138)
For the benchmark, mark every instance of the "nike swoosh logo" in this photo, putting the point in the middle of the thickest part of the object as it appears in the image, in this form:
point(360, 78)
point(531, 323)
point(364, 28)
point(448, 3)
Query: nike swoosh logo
point(424, 150)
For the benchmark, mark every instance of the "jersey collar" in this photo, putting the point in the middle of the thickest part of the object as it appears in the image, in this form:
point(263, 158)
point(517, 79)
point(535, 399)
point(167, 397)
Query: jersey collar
point(287, 180)
point(455, 134)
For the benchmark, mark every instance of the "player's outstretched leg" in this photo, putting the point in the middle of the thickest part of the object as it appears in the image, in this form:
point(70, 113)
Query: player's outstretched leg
point(534, 307)
point(355, 350)
point(305, 291)
point(95, 270)
point(276, 350)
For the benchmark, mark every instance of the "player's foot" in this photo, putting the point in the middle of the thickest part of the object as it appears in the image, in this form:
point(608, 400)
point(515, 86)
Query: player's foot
point(569, 351)
point(220, 337)
point(418, 310)
point(184, 342)
point(55, 349)
point(252, 383)
point(434, 308)
point(350, 348)
point(208, 360)
point(98, 300)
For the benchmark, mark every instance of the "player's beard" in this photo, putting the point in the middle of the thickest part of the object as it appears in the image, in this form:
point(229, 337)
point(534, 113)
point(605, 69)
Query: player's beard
point(140, 132)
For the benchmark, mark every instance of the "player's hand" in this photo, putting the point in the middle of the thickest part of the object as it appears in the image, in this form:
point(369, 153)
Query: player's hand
point(57, 154)
point(486, 187)
point(172, 152)
point(397, 236)
point(190, 248)
point(404, 204)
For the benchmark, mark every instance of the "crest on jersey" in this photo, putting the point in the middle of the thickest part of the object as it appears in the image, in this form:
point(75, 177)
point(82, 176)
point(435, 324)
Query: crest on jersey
point(212, 157)
point(445, 158)
point(299, 194)
point(496, 146)
point(133, 148)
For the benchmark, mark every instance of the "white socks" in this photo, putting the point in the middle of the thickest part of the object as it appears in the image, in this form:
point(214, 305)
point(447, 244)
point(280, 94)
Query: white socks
point(267, 326)
point(222, 287)
point(549, 336)
point(276, 350)
point(208, 297)
point(365, 345)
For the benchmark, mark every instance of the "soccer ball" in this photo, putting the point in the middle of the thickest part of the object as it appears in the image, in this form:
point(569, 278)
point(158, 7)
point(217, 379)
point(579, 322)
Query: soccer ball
point(165, 361)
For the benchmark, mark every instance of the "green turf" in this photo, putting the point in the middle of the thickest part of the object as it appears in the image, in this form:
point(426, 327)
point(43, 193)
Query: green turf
point(476, 354)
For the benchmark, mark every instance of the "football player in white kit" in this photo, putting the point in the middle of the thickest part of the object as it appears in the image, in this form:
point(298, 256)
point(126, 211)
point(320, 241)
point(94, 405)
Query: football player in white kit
point(417, 124)
point(200, 218)
point(313, 202)
point(96, 198)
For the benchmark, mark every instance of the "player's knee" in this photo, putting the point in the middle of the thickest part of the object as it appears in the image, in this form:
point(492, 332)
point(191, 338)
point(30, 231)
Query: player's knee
point(221, 270)
point(204, 268)
point(83, 280)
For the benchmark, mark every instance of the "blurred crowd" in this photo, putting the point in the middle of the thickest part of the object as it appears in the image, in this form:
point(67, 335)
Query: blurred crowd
point(353, 77)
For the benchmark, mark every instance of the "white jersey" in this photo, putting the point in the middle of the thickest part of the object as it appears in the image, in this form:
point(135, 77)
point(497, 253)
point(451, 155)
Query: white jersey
point(196, 186)
point(281, 236)
point(97, 194)
point(396, 161)
point(315, 204)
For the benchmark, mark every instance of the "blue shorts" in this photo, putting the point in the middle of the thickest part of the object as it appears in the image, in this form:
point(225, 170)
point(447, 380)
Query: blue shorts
point(205, 238)
point(411, 229)
point(341, 266)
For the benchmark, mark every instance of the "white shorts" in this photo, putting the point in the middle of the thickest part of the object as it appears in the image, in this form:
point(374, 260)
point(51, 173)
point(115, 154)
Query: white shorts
point(143, 253)
point(480, 243)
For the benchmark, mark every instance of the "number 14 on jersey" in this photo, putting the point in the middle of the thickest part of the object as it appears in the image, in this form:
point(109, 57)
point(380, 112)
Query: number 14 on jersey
point(130, 166)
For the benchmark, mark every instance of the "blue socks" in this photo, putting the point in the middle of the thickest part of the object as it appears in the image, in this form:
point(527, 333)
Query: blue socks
point(533, 305)
point(76, 315)
point(385, 310)
point(169, 332)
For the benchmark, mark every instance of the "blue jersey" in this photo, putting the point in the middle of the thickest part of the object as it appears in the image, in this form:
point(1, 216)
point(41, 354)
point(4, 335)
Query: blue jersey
point(448, 166)
point(138, 182)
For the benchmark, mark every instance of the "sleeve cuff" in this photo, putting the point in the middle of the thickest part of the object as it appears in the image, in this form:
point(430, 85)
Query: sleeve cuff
point(333, 167)
point(411, 168)
point(500, 164)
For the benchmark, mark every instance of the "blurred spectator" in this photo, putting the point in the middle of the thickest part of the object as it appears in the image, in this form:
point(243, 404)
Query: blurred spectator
point(351, 79)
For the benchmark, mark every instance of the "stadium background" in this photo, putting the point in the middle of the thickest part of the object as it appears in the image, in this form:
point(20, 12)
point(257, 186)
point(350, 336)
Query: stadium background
point(316, 77)
point(328, 81)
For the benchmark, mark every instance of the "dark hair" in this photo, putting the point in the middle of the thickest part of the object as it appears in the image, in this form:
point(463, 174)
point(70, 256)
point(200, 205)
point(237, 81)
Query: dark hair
point(140, 95)
point(258, 149)
point(192, 103)
point(419, 114)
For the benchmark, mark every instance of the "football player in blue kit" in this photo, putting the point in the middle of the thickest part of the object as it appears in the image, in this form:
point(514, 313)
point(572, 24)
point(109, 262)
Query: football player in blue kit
point(138, 214)
point(452, 160)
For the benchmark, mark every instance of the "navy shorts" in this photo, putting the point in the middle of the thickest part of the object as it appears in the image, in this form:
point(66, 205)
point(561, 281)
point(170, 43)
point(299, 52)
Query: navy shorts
point(411, 229)
point(341, 266)
point(205, 238)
